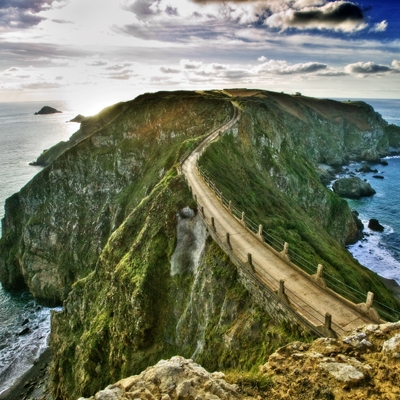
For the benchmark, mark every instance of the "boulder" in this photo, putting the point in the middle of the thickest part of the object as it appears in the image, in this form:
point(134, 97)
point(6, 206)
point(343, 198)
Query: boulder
point(352, 188)
point(366, 168)
point(374, 225)
point(47, 110)
point(360, 225)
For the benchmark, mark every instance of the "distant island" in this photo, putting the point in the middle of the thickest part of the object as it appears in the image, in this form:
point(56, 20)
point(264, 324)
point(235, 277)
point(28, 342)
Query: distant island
point(47, 110)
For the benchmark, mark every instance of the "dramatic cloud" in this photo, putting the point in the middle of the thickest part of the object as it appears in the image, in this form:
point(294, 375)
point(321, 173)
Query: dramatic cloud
point(339, 16)
point(367, 68)
point(22, 14)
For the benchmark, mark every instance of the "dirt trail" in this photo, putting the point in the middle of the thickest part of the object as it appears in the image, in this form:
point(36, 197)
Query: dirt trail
point(309, 300)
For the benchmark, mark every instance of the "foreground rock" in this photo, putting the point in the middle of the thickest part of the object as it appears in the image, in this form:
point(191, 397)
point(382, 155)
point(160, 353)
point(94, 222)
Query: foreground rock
point(176, 378)
point(47, 110)
point(362, 365)
point(353, 188)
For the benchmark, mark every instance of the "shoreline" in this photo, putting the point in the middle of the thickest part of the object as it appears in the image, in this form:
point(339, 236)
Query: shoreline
point(33, 383)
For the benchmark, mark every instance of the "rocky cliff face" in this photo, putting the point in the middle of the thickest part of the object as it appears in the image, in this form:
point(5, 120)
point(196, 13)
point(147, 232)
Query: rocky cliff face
point(105, 226)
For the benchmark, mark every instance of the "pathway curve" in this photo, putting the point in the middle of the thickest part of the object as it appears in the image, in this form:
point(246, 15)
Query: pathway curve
point(311, 300)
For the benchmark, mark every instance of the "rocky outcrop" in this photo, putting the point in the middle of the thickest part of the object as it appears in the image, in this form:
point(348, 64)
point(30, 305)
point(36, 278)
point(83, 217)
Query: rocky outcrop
point(79, 118)
point(47, 110)
point(363, 364)
point(176, 378)
point(374, 225)
point(353, 188)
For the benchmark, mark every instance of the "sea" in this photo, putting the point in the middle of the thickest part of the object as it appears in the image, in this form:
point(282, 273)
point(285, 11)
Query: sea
point(25, 325)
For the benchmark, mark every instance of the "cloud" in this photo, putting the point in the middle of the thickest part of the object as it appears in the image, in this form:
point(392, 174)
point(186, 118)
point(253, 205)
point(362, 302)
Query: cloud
point(262, 59)
point(22, 14)
point(98, 64)
point(168, 70)
point(186, 64)
point(61, 21)
point(145, 9)
point(367, 68)
point(396, 64)
point(41, 85)
point(339, 16)
point(120, 75)
point(118, 67)
point(379, 27)
point(281, 67)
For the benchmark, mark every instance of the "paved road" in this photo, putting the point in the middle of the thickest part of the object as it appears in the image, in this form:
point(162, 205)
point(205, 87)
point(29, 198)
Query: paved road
point(309, 300)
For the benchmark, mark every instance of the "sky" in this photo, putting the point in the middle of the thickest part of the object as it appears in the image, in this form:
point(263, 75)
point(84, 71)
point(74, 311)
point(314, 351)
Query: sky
point(96, 53)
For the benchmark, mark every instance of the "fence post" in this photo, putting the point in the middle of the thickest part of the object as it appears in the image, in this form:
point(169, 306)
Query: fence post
point(370, 299)
point(243, 220)
point(317, 277)
point(202, 211)
point(230, 206)
point(250, 262)
point(284, 253)
point(228, 240)
point(319, 271)
point(281, 292)
point(328, 321)
point(259, 234)
point(213, 224)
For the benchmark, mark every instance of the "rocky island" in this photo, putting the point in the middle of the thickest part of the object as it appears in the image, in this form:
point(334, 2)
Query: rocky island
point(99, 228)
point(47, 110)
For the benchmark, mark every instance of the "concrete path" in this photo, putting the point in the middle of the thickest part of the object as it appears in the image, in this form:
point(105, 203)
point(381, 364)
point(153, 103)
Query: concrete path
point(309, 300)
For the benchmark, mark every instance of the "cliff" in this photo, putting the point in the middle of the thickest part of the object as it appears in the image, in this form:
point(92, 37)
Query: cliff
point(105, 227)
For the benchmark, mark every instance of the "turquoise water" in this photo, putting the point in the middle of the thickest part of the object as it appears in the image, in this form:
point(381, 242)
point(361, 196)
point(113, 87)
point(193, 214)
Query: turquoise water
point(23, 136)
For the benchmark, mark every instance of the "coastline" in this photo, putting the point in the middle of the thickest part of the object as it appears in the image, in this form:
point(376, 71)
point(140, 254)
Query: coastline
point(33, 384)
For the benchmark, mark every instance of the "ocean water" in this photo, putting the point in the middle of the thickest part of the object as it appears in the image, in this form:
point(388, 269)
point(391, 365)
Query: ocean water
point(25, 325)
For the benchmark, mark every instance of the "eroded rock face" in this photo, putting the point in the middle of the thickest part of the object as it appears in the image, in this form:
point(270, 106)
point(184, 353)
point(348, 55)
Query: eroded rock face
point(353, 188)
point(176, 378)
